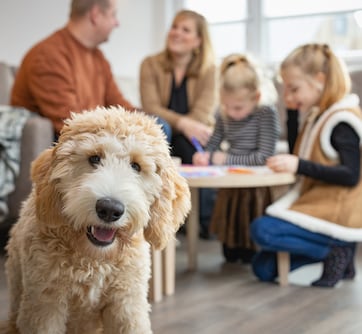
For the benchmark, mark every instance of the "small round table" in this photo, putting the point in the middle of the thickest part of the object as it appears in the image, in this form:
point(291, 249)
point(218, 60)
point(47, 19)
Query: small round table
point(247, 177)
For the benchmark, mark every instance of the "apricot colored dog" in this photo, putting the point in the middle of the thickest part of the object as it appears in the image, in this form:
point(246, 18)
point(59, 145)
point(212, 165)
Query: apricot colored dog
point(79, 256)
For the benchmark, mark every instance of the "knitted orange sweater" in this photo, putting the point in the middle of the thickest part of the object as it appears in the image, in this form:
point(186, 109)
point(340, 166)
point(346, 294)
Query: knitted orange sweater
point(59, 75)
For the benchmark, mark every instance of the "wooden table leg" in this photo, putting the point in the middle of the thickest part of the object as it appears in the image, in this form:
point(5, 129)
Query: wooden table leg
point(283, 261)
point(169, 268)
point(193, 229)
point(155, 284)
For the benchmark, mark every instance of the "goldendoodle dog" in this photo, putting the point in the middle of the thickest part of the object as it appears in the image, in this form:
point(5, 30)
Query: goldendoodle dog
point(79, 257)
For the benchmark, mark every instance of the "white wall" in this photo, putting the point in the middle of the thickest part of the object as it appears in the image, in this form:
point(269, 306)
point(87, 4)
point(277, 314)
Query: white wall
point(143, 25)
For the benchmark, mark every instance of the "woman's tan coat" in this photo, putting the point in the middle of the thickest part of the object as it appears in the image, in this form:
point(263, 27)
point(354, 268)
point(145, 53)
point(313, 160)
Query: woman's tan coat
point(155, 89)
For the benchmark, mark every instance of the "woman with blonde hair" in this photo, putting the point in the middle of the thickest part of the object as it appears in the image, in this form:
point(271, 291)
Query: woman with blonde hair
point(179, 85)
point(319, 219)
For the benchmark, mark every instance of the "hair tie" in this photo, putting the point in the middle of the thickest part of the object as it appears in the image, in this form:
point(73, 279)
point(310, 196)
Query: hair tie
point(232, 63)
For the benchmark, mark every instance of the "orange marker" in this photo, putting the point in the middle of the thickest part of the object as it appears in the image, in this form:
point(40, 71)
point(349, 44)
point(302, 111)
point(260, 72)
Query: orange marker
point(238, 170)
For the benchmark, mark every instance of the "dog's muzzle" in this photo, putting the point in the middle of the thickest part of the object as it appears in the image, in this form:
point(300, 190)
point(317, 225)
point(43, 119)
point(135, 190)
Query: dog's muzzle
point(108, 210)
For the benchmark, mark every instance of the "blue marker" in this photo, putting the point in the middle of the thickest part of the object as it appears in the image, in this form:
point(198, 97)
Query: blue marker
point(197, 145)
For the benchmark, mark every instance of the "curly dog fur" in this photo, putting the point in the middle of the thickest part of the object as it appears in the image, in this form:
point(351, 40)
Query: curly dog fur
point(78, 258)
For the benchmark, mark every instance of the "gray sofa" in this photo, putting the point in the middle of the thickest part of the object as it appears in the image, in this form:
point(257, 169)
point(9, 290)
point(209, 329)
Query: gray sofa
point(37, 135)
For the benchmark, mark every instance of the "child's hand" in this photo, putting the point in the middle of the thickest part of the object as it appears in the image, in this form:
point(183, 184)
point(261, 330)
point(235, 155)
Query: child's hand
point(219, 158)
point(201, 158)
point(283, 163)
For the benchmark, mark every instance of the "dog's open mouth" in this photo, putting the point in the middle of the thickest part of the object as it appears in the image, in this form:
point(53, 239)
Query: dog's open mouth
point(101, 236)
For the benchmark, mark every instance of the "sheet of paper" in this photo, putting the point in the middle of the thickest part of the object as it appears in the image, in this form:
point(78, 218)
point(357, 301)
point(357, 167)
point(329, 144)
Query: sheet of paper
point(190, 171)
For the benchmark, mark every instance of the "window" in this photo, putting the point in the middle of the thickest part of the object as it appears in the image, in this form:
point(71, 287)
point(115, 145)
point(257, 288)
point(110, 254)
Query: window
point(270, 29)
point(228, 20)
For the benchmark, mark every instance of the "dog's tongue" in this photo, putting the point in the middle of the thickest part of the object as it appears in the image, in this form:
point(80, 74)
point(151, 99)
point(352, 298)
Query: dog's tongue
point(103, 234)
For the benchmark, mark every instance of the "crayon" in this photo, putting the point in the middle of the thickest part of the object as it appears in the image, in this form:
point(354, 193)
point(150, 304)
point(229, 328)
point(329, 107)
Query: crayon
point(197, 145)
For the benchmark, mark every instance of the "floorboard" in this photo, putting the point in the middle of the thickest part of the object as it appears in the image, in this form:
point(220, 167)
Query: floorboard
point(224, 298)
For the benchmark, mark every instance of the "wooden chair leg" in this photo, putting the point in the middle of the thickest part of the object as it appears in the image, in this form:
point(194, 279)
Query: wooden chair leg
point(155, 284)
point(193, 229)
point(283, 261)
point(168, 268)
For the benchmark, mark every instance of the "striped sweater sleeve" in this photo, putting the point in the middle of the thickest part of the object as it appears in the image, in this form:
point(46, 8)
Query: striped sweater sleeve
point(254, 141)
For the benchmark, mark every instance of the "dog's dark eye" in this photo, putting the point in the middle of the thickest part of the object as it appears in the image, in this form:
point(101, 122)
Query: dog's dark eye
point(94, 160)
point(136, 166)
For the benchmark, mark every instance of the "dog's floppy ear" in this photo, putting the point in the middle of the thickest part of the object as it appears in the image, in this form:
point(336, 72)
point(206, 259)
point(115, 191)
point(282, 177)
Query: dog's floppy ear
point(47, 199)
point(170, 209)
point(40, 166)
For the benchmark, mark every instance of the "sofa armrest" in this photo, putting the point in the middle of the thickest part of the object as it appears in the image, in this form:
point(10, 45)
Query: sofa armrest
point(38, 134)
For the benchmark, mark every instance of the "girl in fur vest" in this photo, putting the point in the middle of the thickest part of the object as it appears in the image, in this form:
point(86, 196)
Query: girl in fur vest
point(245, 133)
point(319, 219)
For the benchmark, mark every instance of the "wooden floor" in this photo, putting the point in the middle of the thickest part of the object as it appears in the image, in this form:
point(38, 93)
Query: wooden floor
point(226, 298)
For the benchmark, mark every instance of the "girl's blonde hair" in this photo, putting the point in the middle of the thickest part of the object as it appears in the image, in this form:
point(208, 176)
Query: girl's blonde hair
point(204, 56)
point(238, 71)
point(312, 59)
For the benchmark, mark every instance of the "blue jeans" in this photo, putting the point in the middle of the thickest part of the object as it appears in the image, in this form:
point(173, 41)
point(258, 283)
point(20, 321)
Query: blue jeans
point(274, 234)
point(166, 128)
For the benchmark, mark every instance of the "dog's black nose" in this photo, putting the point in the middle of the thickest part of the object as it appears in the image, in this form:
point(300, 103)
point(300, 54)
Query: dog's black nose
point(109, 209)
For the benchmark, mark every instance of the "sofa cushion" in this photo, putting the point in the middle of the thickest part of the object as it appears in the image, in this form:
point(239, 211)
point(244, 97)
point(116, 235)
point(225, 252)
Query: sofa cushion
point(6, 82)
point(38, 131)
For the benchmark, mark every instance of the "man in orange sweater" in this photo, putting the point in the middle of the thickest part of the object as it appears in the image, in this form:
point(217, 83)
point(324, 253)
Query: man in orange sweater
point(67, 72)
